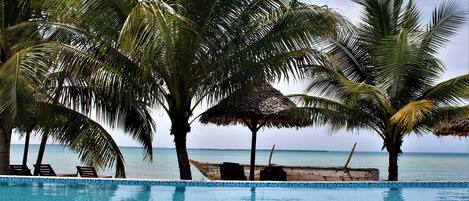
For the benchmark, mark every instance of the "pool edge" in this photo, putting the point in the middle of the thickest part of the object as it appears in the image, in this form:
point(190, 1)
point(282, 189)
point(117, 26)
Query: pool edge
point(292, 184)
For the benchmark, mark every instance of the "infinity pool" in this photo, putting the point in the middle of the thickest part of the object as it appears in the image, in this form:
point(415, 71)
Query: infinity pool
point(89, 189)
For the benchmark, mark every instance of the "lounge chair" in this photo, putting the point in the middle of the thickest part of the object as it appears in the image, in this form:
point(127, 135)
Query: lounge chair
point(46, 170)
point(232, 171)
point(89, 172)
point(273, 173)
point(22, 170)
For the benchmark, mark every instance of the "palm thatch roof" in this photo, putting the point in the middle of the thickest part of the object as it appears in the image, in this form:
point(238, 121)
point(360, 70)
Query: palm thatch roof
point(458, 127)
point(264, 103)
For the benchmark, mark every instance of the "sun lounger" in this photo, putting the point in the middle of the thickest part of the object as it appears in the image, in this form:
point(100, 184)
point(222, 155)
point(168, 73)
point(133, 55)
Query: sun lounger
point(22, 170)
point(46, 170)
point(89, 172)
point(232, 171)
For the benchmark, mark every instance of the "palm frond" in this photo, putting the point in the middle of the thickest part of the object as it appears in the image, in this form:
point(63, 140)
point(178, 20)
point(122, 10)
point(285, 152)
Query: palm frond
point(412, 114)
point(451, 92)
point(410, 18)
point(352, 57)
point(267, 47)
point(356, 91)
point(88, 138)
point(102, 87)
point(324, 111)
point(20, 77)
point(379, 20)
point(446, 19)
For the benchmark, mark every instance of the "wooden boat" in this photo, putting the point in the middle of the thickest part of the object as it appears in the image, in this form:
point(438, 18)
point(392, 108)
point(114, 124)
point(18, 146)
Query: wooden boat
point(299, 173)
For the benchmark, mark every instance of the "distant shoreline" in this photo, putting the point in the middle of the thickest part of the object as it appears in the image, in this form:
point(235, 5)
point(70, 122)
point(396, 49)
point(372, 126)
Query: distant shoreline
point(208, 149)
point(282, 150)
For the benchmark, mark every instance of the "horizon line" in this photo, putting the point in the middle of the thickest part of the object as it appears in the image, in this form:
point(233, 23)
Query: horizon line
point(247, 149)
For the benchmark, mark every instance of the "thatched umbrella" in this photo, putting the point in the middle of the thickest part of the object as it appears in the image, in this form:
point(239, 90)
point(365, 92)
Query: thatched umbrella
point(457, 127)
point(263, 106)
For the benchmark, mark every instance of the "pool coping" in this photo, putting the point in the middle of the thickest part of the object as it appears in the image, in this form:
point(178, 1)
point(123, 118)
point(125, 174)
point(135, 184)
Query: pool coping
point(290, 184)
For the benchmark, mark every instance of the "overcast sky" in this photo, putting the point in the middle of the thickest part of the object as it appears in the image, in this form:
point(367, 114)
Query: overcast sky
point(455, 57)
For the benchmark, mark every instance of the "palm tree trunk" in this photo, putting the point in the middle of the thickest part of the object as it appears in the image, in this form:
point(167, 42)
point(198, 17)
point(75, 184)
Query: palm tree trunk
point(45, 135)
point(183, 157)
point(392, 166)
point(179, 128)
point(26, 148)
point(5, 139)
point(252, 165)
point(393, 144)
point(40, 154)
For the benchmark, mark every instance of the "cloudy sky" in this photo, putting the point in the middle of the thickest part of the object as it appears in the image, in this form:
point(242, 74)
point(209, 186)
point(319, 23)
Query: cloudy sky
point(455, 57)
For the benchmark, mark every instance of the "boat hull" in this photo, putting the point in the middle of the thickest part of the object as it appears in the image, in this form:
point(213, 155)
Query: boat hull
point(298, 173)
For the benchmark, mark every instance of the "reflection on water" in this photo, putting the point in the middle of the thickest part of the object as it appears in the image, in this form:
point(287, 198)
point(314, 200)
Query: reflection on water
point(442, 194)
point(124, 192)
point(449, 195)
point(77, 192)
point(182, 193)
point(128, 192)
point(394, 194)
point(253, 194)
point(179, 193)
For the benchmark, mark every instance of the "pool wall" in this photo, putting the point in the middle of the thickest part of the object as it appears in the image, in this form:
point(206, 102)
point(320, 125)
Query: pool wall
point(308, 184)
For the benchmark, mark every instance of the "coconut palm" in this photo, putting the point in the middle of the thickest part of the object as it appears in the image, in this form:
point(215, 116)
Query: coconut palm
point(382, 76)
point(16, 41)
point(44, 90)
point(179, 54)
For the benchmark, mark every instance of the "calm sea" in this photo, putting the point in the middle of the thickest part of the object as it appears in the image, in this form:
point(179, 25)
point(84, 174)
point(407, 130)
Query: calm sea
point(412, 166)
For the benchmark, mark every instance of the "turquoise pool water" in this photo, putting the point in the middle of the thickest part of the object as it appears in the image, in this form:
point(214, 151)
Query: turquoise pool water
point(77, 189)
point(53, 192)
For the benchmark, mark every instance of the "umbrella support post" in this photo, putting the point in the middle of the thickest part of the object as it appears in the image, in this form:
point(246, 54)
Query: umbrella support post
point(252, 166)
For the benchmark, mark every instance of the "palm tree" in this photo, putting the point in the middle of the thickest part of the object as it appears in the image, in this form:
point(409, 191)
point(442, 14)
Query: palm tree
point(43, 89)
point(382, 76)
point(15, 42)
point(178, 54)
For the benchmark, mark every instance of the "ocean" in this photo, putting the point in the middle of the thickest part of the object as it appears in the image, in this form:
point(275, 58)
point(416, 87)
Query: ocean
point(412, 166)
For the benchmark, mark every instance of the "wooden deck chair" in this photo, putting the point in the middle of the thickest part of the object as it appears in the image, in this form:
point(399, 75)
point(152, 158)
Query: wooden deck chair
point(89, 172)
point(48, 171)
point(22, 170)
